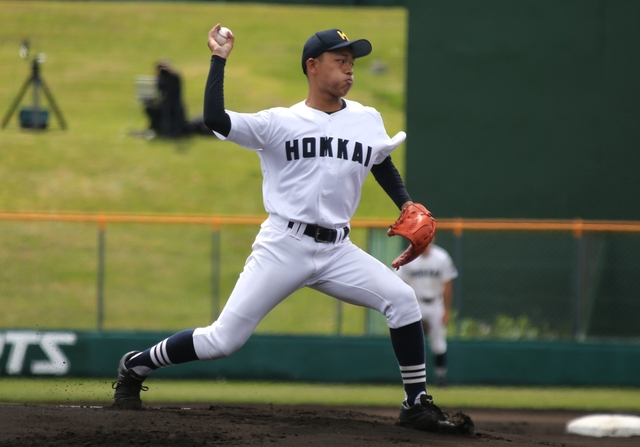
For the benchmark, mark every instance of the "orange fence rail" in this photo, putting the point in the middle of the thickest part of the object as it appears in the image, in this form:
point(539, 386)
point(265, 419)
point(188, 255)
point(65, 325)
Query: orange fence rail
point(577, 226)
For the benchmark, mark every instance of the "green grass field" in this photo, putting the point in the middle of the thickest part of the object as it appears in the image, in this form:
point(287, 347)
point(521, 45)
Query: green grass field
point(93, 52)
point(98, 391)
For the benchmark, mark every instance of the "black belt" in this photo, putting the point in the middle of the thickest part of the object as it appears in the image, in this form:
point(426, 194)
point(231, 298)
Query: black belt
point(321, 234)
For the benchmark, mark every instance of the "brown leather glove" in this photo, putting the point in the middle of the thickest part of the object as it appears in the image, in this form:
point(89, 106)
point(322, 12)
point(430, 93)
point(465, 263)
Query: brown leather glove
point(418, 226)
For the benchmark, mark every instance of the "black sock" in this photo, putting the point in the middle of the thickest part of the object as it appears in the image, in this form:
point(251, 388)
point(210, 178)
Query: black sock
point(408, 346)
point(174, 350)
point(440, 360)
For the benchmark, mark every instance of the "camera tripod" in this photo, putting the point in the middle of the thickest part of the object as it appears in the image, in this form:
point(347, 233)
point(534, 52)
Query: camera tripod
point(35, 80)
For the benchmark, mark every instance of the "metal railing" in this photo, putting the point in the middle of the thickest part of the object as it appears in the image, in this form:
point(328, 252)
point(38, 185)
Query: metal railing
point(585, 273)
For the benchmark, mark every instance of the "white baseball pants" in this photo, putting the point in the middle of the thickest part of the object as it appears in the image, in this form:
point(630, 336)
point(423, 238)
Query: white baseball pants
point(284, 260)
point(432, 313)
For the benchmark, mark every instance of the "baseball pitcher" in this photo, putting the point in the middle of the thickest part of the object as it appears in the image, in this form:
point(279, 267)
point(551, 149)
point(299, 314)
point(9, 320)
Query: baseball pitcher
point(315, 156)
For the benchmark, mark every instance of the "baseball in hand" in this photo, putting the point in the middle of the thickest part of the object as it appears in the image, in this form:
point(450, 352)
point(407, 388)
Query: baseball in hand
point(221, 35)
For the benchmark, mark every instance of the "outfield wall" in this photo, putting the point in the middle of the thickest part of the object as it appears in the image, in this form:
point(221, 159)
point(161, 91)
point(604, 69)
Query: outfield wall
point(327, 359)
point(529, 110)
point(524, 109)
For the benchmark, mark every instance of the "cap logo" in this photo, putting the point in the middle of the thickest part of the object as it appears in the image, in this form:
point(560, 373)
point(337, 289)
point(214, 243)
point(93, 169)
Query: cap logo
point(342, 35)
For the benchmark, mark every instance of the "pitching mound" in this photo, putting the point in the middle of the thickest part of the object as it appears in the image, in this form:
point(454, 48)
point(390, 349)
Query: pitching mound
point(259, 425)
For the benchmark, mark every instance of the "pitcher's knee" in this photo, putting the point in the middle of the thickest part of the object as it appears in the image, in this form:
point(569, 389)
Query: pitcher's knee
point(403, 309)
point(212, 342)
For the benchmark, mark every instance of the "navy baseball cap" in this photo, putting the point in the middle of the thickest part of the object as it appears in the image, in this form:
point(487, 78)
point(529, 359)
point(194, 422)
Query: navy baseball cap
point(329, 40)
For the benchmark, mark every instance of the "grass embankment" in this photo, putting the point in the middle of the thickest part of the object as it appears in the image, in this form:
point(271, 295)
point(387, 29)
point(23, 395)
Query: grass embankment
point(93, 52)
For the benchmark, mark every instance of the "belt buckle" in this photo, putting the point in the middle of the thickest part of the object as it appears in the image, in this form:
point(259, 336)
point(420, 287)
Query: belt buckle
point(317, 238)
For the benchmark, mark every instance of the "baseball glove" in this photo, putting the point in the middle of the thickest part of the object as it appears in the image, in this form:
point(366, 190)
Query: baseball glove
point(418, 226)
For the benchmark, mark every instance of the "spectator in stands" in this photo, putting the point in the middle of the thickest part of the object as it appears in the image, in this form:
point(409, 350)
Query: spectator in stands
point(167, 113)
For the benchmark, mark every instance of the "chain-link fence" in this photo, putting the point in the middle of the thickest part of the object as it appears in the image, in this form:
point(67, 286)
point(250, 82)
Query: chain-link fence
point(544, 281)
point(536, 280)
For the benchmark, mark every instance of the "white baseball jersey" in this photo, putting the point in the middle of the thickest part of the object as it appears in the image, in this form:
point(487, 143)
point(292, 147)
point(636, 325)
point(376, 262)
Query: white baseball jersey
point(427, 276)
point(314, 165)
point(429, 273)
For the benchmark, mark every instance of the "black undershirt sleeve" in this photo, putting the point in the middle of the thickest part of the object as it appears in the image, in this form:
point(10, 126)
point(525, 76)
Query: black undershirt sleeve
point(389, 178)
point(214, 115)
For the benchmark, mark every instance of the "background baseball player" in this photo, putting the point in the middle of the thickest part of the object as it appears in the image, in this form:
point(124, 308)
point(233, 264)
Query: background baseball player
point(315, 156)
point(431, 276)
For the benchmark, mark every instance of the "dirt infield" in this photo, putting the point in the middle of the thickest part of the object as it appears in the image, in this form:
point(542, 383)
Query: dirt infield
point(259, 425)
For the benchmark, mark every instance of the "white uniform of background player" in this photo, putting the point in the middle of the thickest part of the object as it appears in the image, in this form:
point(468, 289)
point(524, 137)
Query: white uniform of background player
point(315, 157)
point(431, 275)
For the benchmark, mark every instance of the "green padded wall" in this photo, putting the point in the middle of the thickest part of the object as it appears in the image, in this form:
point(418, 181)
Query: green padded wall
point(326, 359)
